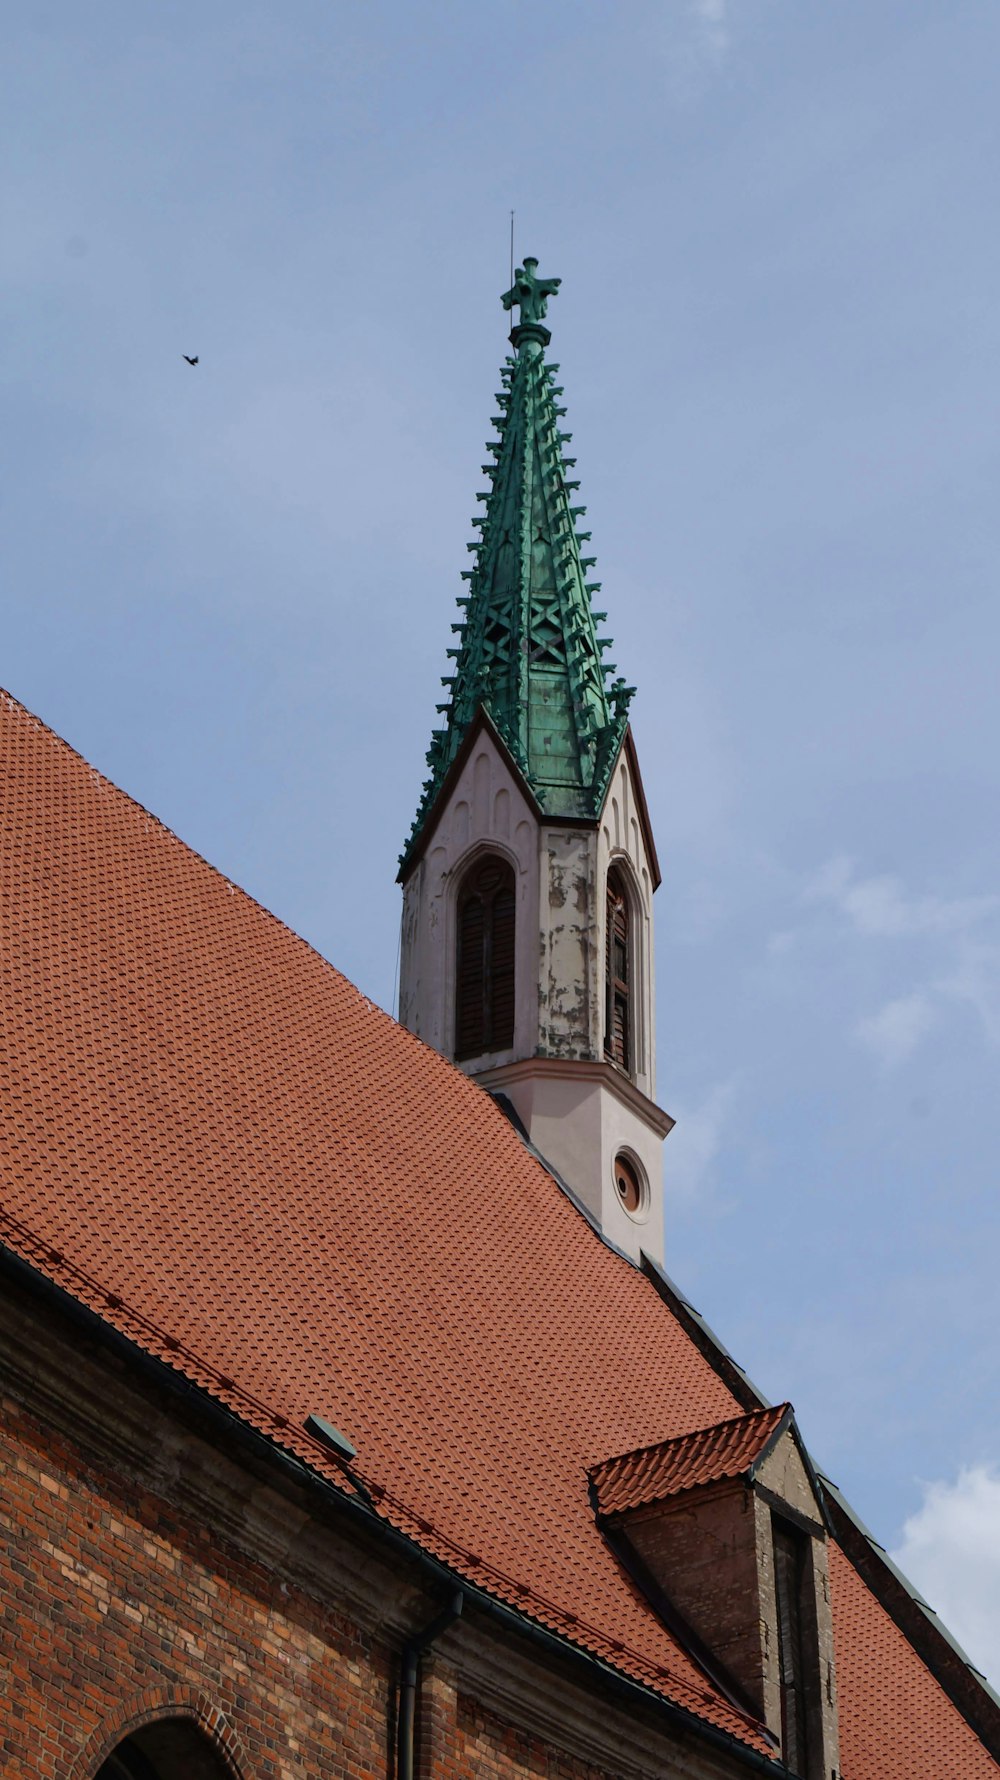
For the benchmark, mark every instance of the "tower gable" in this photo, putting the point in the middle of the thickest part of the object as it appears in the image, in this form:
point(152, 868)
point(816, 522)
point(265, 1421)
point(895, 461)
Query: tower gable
point(484, 809)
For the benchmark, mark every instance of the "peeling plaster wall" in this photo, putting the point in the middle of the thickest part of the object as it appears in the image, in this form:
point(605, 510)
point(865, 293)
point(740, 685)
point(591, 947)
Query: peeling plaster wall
point(574, 869)
point(571, 988)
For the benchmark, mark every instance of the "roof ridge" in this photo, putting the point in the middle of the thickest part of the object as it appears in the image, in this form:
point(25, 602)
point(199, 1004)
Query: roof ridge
point(14, 704)
point(969, 1690)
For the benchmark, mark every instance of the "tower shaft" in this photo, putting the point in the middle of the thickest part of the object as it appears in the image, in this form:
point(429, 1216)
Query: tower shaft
point(528, 876)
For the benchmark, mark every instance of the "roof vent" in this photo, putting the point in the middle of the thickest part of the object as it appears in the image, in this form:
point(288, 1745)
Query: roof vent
point(330, 1436)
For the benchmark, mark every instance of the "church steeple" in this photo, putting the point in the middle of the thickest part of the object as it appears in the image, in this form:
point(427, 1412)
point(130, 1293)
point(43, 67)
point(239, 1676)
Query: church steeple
point(527, 650)
point(528, 877)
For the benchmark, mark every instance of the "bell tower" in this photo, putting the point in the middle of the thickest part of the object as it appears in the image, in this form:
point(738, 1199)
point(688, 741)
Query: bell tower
point(529, 873)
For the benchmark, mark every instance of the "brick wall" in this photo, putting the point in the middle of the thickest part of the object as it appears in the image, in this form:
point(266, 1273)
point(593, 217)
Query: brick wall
point(491, 1750)
point(115, 1612)
point(153, 1566)
point(704, 1550)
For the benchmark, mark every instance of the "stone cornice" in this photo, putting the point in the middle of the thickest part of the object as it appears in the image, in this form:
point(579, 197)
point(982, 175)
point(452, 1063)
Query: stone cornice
point(574, 1069)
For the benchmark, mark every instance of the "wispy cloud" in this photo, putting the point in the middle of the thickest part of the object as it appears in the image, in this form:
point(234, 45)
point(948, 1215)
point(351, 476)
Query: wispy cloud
point(951, 1549)
point(713, 19)
point(881, 909)
point(783, 941)
point(947, 946)
point(893, 1034)
point(975, 980)
point(695, 1143)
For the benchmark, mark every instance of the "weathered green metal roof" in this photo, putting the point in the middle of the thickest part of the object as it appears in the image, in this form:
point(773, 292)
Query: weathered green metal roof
point(527, 650)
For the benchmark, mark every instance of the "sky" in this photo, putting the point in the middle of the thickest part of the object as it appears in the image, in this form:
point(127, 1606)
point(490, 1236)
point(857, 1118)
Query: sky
point(231, 587)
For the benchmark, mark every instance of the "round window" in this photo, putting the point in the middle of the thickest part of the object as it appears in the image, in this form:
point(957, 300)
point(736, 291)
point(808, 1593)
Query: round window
point(629, 1186)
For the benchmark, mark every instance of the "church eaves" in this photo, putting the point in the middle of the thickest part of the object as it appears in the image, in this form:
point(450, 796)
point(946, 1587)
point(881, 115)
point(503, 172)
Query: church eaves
point(527, 650)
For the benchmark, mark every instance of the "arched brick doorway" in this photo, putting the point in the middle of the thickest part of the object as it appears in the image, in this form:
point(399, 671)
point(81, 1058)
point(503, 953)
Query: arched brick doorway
point(172, 1749)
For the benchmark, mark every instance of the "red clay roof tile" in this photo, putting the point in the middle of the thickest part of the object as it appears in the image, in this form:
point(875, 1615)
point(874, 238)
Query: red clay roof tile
point(896, 1722)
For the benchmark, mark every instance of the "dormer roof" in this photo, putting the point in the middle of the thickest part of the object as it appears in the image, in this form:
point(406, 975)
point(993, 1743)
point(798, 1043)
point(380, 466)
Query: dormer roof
point(729, 1450)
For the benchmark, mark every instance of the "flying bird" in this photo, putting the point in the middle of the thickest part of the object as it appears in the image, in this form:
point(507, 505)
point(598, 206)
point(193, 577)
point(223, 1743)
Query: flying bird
point(189, 361)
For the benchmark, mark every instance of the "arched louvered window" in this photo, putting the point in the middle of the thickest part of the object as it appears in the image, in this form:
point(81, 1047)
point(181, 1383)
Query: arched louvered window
point(484, 997)
point(617, 974)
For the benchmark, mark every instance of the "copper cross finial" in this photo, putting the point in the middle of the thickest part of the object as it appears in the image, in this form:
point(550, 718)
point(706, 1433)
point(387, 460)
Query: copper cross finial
point(530, 293)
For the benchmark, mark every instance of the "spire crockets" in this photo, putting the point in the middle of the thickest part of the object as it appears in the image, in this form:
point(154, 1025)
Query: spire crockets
point(527, 649)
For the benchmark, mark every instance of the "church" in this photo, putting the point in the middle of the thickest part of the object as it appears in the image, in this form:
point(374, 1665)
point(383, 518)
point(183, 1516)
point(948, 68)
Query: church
point(353, 1425)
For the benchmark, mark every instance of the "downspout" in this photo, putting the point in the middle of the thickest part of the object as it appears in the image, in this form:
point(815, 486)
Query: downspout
point(413, 1650)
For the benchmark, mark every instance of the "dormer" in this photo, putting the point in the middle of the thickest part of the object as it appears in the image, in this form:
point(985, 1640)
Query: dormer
point(726, 1526)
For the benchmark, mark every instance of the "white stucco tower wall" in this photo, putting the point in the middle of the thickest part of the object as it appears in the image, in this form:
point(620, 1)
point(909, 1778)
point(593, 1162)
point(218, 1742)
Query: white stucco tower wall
point(581, 1111)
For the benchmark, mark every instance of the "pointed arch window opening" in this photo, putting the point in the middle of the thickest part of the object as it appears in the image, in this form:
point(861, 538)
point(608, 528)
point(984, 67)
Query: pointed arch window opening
point(619, 970)
point(484, 987)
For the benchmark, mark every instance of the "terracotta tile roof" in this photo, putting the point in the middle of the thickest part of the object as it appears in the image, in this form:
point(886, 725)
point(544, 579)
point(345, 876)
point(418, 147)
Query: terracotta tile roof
point(895, 1720)
point(710, 1455)
point(219, 1144)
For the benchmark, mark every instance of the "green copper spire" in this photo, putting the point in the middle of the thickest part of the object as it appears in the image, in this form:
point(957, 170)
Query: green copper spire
point(527, 649)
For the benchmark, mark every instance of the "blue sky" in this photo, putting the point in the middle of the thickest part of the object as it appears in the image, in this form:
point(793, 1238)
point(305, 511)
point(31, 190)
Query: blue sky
point(779, 324)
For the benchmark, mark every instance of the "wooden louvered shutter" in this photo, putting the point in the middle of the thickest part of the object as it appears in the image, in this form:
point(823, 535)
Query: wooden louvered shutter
point(502, 972)
point(469, 1010)
point(618, 973)
point(789, 1574)
point(484, 992)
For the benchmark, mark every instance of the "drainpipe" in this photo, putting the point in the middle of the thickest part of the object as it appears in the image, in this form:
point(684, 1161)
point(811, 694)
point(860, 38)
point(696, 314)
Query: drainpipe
point(413, 1650)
